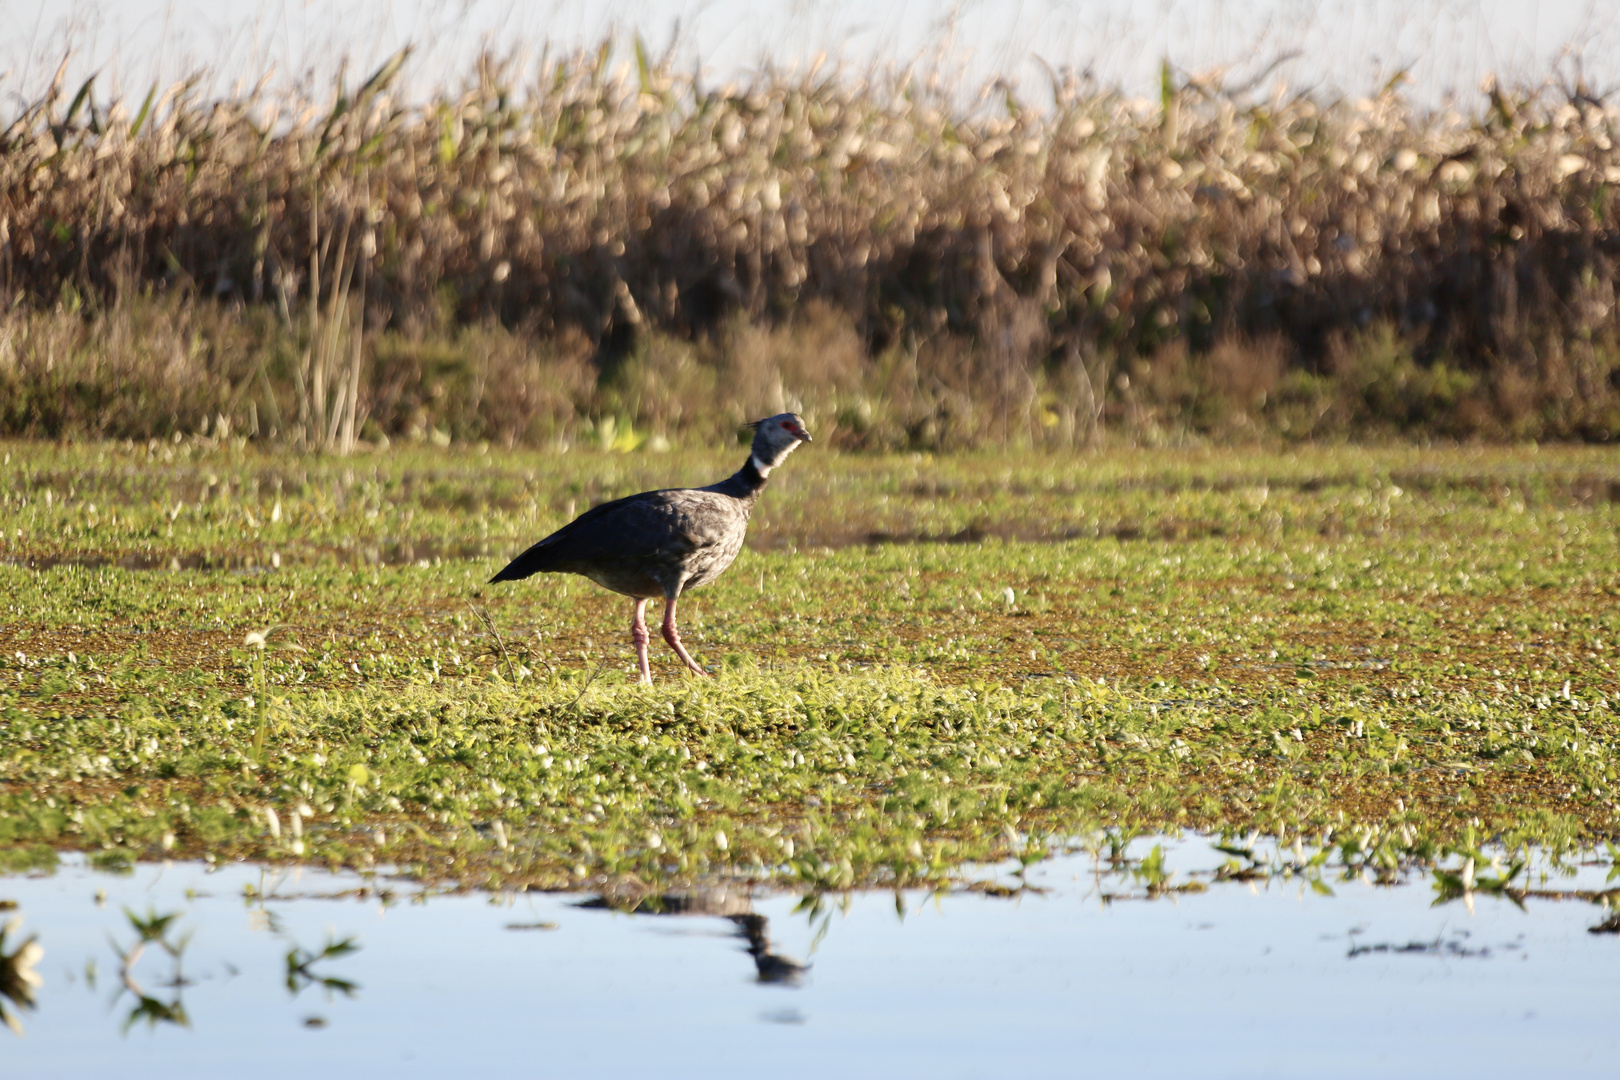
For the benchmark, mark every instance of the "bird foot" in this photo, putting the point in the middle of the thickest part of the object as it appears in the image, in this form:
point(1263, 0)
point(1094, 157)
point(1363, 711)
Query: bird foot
point(674, 641)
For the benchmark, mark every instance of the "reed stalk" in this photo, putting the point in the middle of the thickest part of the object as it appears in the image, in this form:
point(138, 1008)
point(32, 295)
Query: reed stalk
point(1443, 271)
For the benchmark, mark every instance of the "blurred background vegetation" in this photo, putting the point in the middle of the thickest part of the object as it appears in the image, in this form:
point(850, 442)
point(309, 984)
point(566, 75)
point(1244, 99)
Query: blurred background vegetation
point(617, 255)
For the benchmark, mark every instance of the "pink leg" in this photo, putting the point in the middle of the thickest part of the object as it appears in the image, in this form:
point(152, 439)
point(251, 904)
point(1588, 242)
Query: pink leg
point(639, 635)
point(673, 636)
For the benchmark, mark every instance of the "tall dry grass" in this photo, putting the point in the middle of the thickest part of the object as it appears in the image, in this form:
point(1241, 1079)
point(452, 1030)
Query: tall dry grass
point(585, 244)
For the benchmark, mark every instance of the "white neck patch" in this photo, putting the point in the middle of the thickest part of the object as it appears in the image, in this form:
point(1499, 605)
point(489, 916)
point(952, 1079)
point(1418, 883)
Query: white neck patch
point(764, 467)
point(781, 455)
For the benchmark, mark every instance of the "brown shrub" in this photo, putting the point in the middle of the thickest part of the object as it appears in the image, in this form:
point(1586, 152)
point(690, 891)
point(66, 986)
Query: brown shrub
point(483, 383)
point(144, 367)
point(1241, 374)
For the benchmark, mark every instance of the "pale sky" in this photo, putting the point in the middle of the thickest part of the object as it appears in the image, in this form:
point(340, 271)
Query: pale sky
point(1350, 46)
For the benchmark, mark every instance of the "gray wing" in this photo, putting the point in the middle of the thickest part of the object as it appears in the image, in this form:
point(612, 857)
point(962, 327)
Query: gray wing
point(653, 535)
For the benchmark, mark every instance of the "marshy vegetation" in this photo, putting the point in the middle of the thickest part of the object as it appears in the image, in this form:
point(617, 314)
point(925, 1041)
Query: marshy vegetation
point(219, 644)
point(602, 249)
point(215, 651)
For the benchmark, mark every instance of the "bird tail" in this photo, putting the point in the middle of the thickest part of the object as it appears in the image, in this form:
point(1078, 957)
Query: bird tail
point(537, 559)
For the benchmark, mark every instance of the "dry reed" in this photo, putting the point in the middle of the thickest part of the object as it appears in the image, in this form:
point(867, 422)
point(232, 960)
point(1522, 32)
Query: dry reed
point(651, 247)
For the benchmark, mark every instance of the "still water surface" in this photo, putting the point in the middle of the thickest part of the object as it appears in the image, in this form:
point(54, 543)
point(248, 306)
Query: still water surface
point(1249, 979)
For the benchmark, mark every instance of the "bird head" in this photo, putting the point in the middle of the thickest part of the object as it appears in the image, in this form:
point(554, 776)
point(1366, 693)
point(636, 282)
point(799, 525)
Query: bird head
point(776, 436)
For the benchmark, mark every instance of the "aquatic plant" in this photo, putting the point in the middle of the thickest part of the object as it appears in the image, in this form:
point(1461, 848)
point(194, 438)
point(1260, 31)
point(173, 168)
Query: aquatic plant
point(19, 979)
point(1396, 654)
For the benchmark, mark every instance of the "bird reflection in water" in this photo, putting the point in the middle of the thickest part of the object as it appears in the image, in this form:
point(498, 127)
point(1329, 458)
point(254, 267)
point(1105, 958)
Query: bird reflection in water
point(773, 967)
point(18, 979)
point(752, 927)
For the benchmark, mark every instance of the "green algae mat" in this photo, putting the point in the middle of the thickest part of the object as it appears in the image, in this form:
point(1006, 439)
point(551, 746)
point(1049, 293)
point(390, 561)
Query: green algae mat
point(212, 651)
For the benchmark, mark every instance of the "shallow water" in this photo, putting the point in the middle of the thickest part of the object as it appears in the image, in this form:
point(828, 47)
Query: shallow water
point(1264, 978)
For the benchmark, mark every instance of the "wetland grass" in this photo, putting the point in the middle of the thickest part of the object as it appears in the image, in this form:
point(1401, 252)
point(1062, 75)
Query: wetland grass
point(1397, 653)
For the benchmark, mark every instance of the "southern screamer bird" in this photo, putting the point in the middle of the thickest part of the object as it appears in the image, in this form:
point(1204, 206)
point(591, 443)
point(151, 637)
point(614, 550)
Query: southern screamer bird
point(662, 543)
